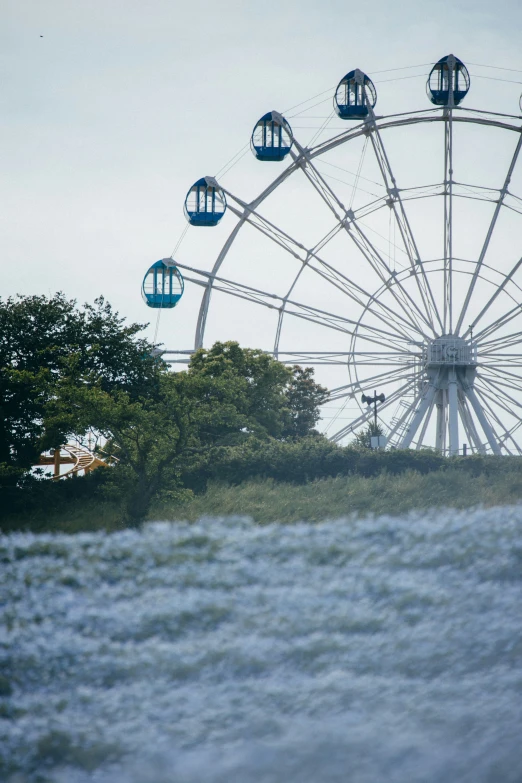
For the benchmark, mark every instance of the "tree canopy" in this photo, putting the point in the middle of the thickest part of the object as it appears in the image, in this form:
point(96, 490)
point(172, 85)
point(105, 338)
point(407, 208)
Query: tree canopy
point(66, 370)
point(46, 339)
point(227, 395)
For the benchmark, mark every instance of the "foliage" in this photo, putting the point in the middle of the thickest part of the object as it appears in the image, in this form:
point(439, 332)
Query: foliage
point(363, 438)
point(276, 401)
point(304, 397)
point(66, 370)
point(302, 461)
point(46, 339)
point(227, 395)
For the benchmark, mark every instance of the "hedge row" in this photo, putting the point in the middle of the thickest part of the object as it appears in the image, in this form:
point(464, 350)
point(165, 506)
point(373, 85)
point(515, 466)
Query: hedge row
point(316, 458)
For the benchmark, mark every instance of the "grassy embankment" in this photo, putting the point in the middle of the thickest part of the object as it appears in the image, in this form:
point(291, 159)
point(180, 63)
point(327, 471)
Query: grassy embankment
point(266, 500)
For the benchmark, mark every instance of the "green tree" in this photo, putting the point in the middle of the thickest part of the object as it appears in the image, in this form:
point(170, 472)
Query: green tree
point(156, 437)
point(227, 395)
point(304, 398)
point(44, 339)
point(363, 439)
point(278, 401)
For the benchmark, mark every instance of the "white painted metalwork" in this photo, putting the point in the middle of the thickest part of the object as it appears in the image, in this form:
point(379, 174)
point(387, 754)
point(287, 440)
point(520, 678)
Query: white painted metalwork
point(439, 335)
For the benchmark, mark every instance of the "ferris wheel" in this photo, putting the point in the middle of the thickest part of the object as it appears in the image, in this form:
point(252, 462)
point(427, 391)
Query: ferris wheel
point(402, 280)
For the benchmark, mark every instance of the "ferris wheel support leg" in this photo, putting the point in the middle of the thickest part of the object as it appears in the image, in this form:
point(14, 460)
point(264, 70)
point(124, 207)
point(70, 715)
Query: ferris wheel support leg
point(507, 434)
point(401, 421)
point(425, 425)
point(441, 421)
point(418, 417)
point(469, 424)
point(453, 418)
point(479, 413)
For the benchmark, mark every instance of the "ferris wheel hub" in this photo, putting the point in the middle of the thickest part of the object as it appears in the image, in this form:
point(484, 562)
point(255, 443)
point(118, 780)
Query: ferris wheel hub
point(450, 351)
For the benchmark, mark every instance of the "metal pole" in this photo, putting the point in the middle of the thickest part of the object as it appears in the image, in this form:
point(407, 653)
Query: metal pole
point(469, 424)
point(453, 414)
point(419, 415)
point(448, 222)
point(425, 425)
point(479, 413)
point(439, 435)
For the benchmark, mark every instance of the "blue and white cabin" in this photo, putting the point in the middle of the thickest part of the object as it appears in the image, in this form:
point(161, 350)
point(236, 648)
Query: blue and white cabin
point(272, 137)
point(354, 93)
point(205, 203)
point(448, 68)
point(163, 284)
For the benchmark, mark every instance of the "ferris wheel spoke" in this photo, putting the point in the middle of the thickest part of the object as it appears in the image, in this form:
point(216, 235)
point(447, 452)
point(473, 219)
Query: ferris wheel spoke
point(499, 385)
point(362, 297)
point(448, 220)
point(401, 219)
point(490, 301)
point(364, 417)
point(514, 362)
point(380, 379)
point(294, 308)
point(499, 324)
point(498, 346)
point(311, 259)
point(371, 358)
point(501, 397)
point(388, 277)
point(499, 372)
point(346, 219)
point(489, 234)
point(205, 302)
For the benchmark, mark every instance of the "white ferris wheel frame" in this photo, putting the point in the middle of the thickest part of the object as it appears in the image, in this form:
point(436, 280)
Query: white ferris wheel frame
point(454, 371)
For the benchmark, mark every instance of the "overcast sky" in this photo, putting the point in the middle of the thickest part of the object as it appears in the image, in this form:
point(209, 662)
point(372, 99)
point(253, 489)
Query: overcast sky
point(111, 109)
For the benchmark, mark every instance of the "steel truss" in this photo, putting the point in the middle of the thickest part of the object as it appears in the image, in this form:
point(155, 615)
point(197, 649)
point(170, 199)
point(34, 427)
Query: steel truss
point(447, 377)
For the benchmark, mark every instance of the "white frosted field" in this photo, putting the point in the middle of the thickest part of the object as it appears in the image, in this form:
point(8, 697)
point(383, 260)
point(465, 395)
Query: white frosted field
point(385, 650)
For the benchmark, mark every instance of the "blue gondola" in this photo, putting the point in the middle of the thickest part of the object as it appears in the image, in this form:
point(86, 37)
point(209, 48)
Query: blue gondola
point(354, 93)
point(163, 284)
point(205, 204)
point(272, 137)
point(438, 84)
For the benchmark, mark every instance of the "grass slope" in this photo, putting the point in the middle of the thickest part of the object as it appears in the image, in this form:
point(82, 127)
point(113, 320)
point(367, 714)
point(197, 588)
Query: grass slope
point(268, 500)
